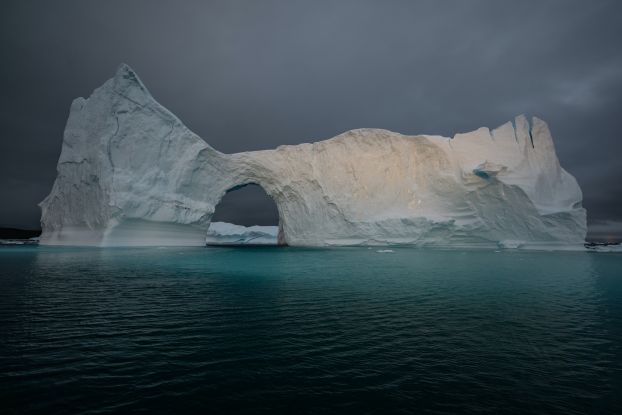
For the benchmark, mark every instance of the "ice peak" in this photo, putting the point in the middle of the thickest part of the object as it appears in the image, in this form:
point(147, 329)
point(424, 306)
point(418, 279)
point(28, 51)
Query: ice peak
point(126, 78)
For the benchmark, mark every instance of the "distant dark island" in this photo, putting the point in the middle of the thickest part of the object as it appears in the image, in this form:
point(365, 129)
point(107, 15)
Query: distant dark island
point(13, 233)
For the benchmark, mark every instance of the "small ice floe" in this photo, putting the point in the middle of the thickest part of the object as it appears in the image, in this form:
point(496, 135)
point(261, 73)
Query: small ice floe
point(223, 233)
point(385, 251)
point(510, 244)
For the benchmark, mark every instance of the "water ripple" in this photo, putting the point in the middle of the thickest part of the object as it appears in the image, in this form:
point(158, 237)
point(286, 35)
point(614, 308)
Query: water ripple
point(255, 330)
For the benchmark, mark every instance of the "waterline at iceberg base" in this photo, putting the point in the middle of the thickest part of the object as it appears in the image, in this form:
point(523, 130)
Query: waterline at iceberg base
point(131, 174)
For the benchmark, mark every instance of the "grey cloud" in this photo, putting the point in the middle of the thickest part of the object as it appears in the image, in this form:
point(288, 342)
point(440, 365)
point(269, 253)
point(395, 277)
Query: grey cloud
point(607, 231)
point(249, 75)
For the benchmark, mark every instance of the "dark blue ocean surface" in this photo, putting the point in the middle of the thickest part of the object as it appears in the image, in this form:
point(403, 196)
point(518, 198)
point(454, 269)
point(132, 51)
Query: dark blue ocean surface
point(284, 330)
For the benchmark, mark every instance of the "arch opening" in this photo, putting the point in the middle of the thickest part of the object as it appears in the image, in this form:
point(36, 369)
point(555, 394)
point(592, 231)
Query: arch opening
point(246, 215)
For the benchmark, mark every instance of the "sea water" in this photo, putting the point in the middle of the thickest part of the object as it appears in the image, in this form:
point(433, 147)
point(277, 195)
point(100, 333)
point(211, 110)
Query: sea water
point(287, 330)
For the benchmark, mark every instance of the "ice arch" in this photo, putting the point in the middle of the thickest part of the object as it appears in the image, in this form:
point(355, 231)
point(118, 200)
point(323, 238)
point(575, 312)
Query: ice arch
point(246, 215)
point(130, 173)
point(247, 205)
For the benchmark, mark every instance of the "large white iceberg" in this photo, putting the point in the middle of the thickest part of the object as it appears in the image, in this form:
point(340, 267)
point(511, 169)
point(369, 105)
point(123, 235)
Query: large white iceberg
point(130, 173)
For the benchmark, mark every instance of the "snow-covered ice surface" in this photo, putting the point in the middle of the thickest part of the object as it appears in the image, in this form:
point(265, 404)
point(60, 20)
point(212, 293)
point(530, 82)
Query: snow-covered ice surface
point(130, 173)
point(222, 233)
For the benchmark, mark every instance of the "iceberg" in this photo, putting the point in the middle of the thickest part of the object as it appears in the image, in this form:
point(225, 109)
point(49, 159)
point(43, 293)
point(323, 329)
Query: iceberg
point(604, 247)
point(130, 173)
point(222, 233)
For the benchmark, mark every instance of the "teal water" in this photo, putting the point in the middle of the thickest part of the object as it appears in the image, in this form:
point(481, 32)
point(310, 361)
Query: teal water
point(285, 330)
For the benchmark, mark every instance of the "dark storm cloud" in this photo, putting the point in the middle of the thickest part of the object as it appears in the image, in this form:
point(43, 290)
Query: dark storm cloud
point(252, 75)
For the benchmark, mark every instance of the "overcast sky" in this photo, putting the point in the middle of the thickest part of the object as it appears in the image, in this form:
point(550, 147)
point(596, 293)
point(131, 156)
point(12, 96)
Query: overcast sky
point(249, 75)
